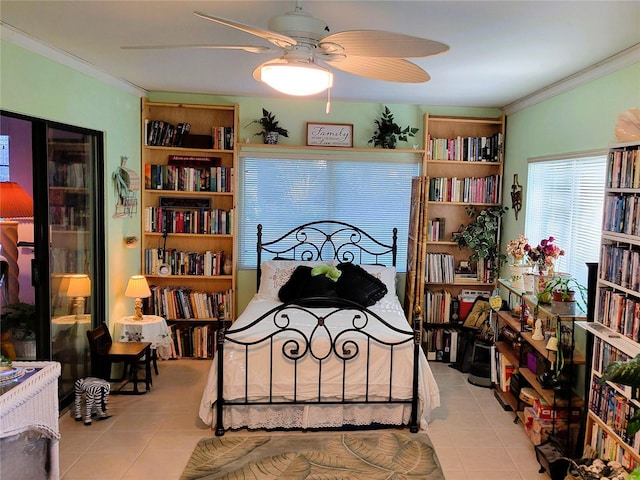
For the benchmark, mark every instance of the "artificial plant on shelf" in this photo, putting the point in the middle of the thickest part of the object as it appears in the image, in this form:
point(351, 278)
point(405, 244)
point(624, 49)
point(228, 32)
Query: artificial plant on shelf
point(389, 132)
point(481, 236)
point(271, 128)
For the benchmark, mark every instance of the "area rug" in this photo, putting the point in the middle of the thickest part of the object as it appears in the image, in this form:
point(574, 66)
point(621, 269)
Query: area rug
point(317, 455)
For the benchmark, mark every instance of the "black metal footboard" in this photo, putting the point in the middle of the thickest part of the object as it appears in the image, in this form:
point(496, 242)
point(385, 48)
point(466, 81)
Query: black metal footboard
point(326, 337)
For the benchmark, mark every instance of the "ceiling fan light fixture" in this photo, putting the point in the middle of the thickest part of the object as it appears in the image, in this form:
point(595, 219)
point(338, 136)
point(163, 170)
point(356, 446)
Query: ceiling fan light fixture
point(297, 79)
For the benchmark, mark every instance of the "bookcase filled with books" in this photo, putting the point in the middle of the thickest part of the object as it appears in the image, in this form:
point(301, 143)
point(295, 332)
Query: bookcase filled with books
point(616, 326)
point(464, 165)
point(188, 226)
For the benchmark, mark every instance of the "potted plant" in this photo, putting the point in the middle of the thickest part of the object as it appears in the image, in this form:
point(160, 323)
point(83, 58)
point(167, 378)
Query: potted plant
point(18, 316)
point(389, 132)
point(563, 288)
point(18, 320)
point(271, 129)
point(481, 237)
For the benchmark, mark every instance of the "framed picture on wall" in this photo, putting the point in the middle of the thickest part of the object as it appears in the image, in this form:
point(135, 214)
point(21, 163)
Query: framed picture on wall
point(330, 134)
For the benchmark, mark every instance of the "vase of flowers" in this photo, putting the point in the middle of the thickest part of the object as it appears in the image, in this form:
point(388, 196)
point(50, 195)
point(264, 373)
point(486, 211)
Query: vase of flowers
point(544, 255)
point(520, 266)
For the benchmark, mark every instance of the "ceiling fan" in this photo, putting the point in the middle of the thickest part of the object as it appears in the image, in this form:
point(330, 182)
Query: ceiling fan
point(303, 42)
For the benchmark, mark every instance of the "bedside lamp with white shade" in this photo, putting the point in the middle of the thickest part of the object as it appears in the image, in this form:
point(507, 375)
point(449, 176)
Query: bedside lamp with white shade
point(138, 288)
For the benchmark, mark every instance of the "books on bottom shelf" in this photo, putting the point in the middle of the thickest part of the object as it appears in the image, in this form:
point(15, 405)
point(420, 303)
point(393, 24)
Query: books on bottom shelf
point(608, 446)
point(197, 341)
point(441, 345)
point(501, 371)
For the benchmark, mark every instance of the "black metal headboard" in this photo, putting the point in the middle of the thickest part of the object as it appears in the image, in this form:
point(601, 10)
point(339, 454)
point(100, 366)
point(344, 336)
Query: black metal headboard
point(328, 240)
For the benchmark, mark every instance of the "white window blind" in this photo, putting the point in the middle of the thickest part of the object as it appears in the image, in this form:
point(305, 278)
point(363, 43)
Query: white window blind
point(282, 193)
point(564, 200)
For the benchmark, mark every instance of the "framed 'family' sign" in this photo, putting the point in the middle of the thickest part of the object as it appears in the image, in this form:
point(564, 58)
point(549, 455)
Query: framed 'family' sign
point(330, 134)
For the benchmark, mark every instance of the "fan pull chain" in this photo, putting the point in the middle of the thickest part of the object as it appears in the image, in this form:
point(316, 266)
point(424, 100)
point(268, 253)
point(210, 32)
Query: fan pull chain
point(328, 108)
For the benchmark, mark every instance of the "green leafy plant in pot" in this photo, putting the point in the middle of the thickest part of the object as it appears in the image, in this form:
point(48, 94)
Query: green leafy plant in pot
point(563, 289)
point(389, 132)
point(481, 237)
point(271, 129)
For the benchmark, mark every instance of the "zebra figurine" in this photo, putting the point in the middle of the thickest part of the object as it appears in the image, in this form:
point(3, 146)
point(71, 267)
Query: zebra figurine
point(96, 393)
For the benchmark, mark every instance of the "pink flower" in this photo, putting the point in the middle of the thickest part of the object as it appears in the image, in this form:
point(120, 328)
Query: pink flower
point(545, 253)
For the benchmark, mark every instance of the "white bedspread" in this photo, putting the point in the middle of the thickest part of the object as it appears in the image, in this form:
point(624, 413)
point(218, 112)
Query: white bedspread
point(267, 360)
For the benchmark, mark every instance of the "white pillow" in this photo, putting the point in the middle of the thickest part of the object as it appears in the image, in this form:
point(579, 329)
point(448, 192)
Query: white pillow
point(386, 275)
point(275, 274)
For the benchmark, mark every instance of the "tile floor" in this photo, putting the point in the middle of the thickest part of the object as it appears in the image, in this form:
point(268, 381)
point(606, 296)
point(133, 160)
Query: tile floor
point(152, 436)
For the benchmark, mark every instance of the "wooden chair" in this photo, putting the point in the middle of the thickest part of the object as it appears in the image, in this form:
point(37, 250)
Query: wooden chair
point(105, 352)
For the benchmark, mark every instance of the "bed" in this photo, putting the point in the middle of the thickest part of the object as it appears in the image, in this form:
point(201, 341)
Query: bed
point(321, 361)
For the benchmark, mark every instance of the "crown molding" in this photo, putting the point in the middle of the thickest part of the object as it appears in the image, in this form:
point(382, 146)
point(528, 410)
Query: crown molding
point(19, 38)
point(609, 65)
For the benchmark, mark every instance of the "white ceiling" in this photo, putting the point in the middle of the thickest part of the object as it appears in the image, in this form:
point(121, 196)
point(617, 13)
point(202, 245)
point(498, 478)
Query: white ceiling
point(500, 51)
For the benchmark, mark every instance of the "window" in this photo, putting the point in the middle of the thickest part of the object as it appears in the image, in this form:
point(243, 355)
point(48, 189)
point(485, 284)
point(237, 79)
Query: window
point(282, 193)
point(564, 200)
point(4, 158)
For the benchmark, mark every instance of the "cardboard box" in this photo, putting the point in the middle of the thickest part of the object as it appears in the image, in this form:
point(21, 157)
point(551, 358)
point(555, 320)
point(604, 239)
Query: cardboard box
point(547, 412)
point(537, 430)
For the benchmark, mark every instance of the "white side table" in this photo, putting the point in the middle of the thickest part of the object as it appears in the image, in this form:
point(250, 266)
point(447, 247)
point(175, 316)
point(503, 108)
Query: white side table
point(151, 328)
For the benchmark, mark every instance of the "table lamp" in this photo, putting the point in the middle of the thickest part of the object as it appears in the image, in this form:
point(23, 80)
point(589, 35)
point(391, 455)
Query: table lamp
point(138, 288)
point(14, 203)
point(79, 288)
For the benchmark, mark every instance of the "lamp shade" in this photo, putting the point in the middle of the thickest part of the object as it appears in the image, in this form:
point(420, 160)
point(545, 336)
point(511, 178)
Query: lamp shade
point(137, 287)
point(14, 201)
point(552, 344)
point(79, 286)
point(294, 78)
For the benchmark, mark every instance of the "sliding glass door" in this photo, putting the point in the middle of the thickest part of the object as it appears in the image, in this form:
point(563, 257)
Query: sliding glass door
point(71, 192)
point(60, 266)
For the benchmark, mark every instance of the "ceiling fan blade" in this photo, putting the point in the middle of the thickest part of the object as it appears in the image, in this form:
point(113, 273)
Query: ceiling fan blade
point(246, 48)
point(273, 37)
point(377, 43)
point(388, 69)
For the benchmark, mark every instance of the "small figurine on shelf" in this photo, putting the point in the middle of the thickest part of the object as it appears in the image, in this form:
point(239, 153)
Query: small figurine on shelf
point(537, 332)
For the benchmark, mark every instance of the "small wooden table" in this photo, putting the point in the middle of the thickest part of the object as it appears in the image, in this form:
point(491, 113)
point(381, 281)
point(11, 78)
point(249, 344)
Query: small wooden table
point(129, 351)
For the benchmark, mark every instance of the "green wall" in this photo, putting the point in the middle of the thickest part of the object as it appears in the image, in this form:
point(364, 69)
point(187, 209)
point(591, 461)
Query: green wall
point(33, 85)
point(578, 120)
